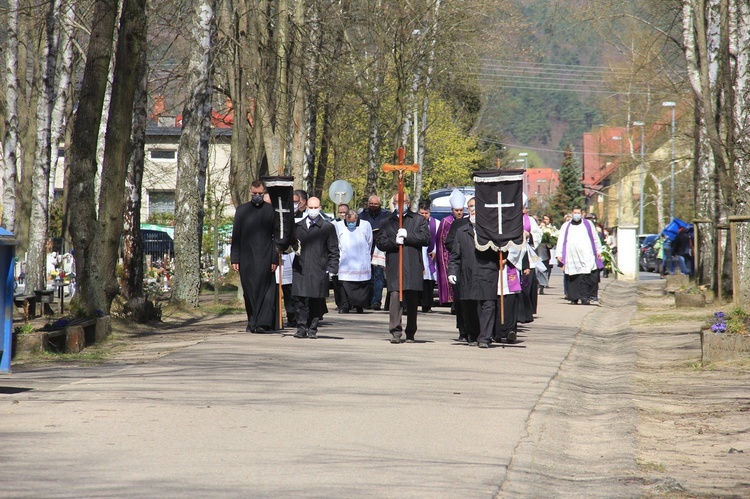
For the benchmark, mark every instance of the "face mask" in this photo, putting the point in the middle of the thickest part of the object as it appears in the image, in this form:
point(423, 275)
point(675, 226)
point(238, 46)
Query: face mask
point(257, 199)
point(313, 213)
point(296, 206)
point(351, 225)
point(576, 217)
point(473, 219)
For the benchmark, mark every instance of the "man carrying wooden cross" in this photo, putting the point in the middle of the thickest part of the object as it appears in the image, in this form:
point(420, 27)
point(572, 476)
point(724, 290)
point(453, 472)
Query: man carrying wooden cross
point(401, 237)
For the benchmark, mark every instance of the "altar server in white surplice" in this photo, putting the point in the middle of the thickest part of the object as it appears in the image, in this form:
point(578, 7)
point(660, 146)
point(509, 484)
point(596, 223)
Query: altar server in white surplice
point(355, 246)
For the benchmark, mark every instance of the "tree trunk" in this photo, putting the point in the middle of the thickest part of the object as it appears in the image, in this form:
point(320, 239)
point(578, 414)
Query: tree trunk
point(192, 157)
point(117, 151)
point(36, 269)
point(81, 209)
point(739, 48)
point(63, 86)
point(241, 172)
point(132, 243)
point(10, 141)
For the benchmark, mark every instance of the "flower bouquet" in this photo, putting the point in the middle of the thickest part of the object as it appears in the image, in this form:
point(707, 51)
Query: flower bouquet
point(549, 235)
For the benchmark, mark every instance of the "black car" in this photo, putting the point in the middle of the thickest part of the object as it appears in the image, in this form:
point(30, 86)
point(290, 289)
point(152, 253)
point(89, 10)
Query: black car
point(647, 253)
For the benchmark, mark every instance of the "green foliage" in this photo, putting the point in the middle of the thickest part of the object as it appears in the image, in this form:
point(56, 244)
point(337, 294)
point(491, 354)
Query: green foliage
point(570, 190)
point(23, 329)
point(161, 219)
point(738, 322)
point(452, 154)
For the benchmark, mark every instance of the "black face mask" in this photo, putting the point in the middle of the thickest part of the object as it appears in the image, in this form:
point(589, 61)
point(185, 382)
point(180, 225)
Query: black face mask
point(257, 199)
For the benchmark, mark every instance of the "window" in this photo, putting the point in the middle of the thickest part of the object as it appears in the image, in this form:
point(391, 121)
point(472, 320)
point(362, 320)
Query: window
point(161, 202)
point(163, 154)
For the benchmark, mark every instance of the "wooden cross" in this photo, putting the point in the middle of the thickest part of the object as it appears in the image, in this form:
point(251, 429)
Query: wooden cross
point(400, 168)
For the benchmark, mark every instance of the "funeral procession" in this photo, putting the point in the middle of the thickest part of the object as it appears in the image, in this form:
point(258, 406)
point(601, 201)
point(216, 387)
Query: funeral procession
point(424, 249)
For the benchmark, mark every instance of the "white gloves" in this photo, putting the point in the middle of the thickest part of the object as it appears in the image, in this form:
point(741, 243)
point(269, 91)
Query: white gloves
point(452, 279)
point(400, 236)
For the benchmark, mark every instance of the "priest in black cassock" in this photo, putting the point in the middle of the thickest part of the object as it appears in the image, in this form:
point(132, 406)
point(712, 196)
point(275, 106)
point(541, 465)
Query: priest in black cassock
point(318, 256)
point(414, 234)
point(254, 256)
point(474, 273)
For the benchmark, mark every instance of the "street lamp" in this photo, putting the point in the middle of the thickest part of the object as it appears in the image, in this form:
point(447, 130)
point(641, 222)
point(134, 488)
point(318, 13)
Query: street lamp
point(671, 200)
point(618, 138)
point(525, 160)
point(643, 173)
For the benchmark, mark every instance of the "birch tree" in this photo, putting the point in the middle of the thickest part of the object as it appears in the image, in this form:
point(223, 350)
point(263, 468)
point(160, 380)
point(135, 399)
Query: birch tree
point(192, 156)
point(10, 141)
point(36, 263)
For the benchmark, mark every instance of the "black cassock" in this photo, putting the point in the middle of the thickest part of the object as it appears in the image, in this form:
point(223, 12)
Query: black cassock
point(253, 249)
point(476, 273)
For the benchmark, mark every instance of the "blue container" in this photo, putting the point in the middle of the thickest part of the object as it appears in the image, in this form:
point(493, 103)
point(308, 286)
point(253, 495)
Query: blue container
point(674, 226)
point(7, 263)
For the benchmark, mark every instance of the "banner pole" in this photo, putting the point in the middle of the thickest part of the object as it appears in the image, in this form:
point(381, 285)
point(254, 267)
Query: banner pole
point(281, 294)
point(502, 289)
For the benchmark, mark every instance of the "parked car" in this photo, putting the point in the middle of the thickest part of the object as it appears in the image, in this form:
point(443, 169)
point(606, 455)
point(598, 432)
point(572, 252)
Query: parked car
point(440, 206)
point(647, 253)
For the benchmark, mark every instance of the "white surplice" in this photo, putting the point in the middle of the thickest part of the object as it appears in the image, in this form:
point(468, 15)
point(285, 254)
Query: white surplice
point(355, 247)
point(579, 256)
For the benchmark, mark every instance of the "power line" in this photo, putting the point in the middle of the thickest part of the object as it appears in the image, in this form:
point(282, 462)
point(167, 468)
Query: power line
point(566, 89)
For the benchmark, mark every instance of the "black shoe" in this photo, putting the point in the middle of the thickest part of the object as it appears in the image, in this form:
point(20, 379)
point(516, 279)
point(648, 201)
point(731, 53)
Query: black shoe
point(376, 306)
point(511, 337)
point(343, 310)
point(300, 334)
point(290, 324)
point(410, 340)
point(585, 302)
point(360, 310)
point(541, 291)
point(396, 340)
point(472, 343)
point(462, 339)
point(574, 302)
point(312, 335)
point(426, 310)
point(260, 330)
point(483, 345)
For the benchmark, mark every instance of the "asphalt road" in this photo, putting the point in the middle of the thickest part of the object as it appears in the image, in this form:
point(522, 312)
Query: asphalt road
point(243, 415)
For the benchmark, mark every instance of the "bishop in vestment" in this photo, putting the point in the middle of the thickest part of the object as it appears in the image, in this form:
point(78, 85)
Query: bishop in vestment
point(445, 289)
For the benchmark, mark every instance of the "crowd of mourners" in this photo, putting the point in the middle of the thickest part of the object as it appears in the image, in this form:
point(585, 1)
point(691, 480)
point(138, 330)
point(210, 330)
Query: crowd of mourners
point(409, 255)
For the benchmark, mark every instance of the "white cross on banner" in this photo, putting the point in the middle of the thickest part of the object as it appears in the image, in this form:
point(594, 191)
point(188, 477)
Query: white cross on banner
point(281, 210)
point(499, 214)
point(499, 205)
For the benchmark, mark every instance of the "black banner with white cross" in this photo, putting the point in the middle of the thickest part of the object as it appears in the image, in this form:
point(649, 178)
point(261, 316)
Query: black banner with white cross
point(499, 208)
point(281, 191)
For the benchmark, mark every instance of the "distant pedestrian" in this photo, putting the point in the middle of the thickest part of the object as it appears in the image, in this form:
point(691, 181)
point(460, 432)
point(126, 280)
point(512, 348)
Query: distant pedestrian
point(318, 256)
point(579, 251)
point(682, 251)
point(412, 237)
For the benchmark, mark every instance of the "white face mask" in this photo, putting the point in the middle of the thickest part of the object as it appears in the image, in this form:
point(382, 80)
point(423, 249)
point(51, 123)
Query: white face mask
point(313, 213)
point(473, 219)
point(576, 217)
point(296, 206)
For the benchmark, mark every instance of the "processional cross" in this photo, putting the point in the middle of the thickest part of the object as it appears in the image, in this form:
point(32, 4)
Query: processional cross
point(401, 169)
point(281, 210)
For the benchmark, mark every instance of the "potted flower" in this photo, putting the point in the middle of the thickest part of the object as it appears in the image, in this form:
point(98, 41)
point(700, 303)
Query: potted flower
point(727, 337)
